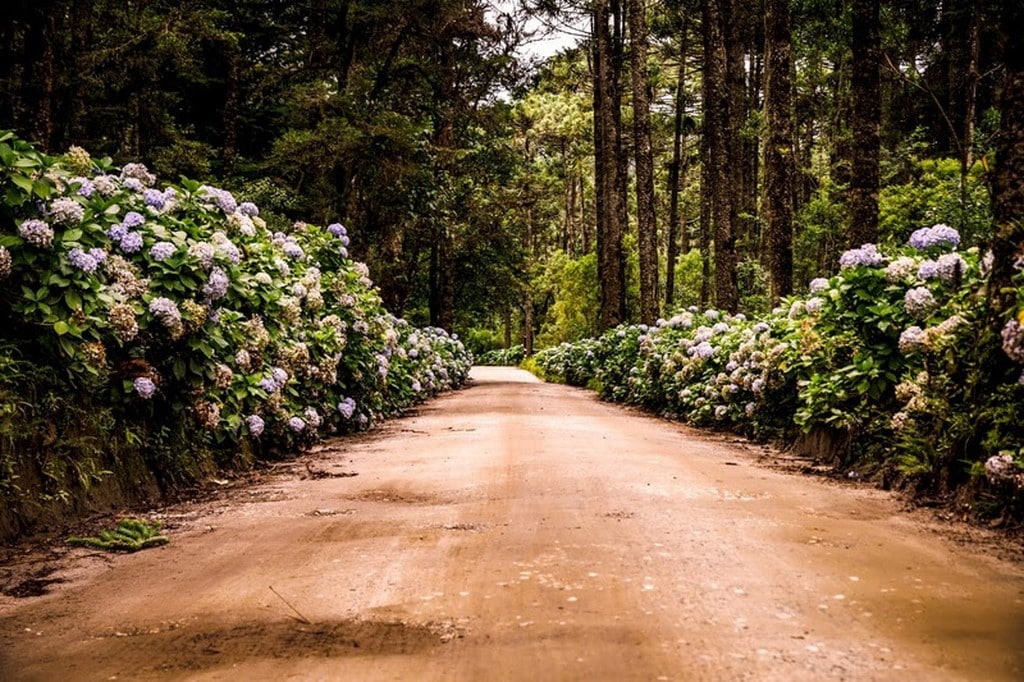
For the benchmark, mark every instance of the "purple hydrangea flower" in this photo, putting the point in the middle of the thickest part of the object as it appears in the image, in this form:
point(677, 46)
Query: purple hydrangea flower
point(82, 260)
point(296, 424)
point(928, 269)
point(154, 198)
point(85, 187)
point(133, 219)
point(280, 376)
point(950, 266)
point(160, 251)
point(227, 249)
point(936, 235)
point(138, 172)
point(131, 242)
point(313, 418)
point(221, 197)
point(117, 232)
point(336, 229)
point(98, 255)
point(919, 302)
point(293, 250)
point(36, 232)
point(1013, 340)
point(866, 256)
point(247, 208)
point(145, 387)
point(255, 424)
point(202, 252)
point(106, 185)
point(702, 350)
point(66, 211)
point(347, 408)
point(165, 310)
point(217, 285)
point(268, 384)
point(343, 251)
point(912, 339)
point(818, 284)
point(133, 184)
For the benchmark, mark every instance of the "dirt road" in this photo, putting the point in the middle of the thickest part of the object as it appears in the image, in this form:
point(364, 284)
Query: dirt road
point(523, 531)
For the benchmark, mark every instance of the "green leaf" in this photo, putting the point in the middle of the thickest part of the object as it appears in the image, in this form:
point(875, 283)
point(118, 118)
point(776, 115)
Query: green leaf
point(72, 298)
point(22, 182)
point(67, 346)
point(42, 189)
point(61, 328)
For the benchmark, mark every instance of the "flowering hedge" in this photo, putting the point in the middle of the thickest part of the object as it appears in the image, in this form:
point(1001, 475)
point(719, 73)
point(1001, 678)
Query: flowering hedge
point(502, 356)
point(178, 302)
point(888, 353)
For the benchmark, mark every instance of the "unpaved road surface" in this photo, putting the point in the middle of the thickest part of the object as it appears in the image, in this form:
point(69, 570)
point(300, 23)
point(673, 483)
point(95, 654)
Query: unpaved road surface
point(523, 531)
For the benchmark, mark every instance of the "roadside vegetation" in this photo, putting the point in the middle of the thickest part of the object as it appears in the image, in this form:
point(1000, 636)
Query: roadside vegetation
point(152, 332)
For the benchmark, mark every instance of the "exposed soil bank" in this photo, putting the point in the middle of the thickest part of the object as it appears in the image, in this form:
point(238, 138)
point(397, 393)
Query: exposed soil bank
point(521, 531)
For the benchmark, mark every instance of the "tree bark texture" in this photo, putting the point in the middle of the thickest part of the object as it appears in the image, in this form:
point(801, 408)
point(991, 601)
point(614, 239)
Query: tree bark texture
point(672, 254)
point(864, 122)
point(779, 166)
point(647, 233)
point(706, 204)
point(609, 200)
point(1008, 187)
point(718, 124)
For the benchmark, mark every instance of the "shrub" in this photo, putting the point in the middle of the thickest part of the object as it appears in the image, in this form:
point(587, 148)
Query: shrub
point(886, 352)
point(177, 303)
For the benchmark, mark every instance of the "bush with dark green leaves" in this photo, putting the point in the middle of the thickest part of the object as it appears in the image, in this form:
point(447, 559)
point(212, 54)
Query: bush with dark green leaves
point(174, 307)
point(890, 354)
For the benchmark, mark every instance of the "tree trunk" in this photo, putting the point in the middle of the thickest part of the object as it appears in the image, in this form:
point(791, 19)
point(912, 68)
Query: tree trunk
point(1008, 185)
point(647, 234)
point(42, 75)
point(606, 182)
point(735, 226)
point(672, 254)
point(78, 95)
point(778, 149)
point(963, 31)
point(229, 153)
point(706, 204)
point(722, 134)
point(619, 152)
point(865, 118)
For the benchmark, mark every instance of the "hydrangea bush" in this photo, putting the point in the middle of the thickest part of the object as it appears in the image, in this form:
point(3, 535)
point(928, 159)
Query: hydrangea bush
point(182, 303)
point(503, 356)
point(883, 353)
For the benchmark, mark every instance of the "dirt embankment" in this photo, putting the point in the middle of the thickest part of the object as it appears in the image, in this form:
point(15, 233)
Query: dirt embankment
point(523, 531)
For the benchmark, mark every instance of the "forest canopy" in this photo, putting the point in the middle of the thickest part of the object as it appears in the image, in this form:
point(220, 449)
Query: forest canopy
point(674, 152)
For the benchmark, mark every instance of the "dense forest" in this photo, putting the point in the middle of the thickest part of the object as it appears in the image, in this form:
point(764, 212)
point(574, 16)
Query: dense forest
point(680, 152)
point(672, 155)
